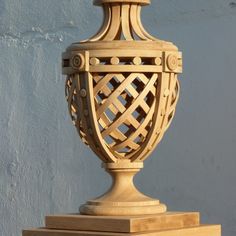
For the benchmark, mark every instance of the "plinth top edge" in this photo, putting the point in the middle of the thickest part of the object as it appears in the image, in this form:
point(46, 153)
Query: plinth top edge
point(100, 2)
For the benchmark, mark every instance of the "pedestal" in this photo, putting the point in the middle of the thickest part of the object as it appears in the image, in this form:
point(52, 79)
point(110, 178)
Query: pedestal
point(165, 224)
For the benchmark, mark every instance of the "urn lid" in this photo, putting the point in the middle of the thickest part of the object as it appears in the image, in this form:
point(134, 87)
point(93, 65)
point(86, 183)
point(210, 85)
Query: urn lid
point(100, 2)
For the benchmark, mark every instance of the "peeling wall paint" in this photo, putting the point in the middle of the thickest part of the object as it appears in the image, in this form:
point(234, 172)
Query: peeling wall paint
point(44, 167)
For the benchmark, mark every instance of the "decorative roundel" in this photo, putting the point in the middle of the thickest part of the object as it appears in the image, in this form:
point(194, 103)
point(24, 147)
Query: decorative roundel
point(77, 61)
point(115, 60)
point(94, 61)
point(157, 61)
point(83, 93)
point(137, 61)
point(172, 62)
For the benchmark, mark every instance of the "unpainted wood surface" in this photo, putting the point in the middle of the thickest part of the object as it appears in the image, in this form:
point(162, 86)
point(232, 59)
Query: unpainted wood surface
point(209, 230)
point(170, 220)
point(122, 21)
point(142, 2)
point(124, 115)
point(122, 100)
point(122, 91)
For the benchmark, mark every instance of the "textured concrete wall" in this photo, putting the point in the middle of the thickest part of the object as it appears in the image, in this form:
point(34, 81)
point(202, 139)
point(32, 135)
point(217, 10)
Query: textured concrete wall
point(44, 167)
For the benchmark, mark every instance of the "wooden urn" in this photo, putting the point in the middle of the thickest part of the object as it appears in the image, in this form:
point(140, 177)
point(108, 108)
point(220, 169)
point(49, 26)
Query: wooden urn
point(122, 90)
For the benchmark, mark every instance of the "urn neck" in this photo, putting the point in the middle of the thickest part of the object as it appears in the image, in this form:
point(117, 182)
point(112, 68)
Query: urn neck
point(122, 21)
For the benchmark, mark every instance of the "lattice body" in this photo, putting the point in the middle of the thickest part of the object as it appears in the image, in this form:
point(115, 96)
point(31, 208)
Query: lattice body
point(125, 101)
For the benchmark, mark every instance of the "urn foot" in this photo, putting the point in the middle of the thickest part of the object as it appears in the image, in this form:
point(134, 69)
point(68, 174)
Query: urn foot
point(123, 198)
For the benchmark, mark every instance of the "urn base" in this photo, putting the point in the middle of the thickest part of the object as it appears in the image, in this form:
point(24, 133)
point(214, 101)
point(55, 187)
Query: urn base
point(122, 208)
point(123, 198)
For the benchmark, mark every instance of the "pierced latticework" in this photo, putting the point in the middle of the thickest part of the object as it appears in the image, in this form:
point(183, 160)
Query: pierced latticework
point(125, 108)
point(122, 85)
point(122, 91)
point(73, 106)
point(123, 115)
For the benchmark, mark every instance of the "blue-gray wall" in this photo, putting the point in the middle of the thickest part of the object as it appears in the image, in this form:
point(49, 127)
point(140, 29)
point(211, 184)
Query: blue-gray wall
point(44, 167)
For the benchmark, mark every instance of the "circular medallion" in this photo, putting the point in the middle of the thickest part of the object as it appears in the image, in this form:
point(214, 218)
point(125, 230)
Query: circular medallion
point(172, 62)
point(83, 93)
point(77, 61)
point(137, 61)
point(115, 60)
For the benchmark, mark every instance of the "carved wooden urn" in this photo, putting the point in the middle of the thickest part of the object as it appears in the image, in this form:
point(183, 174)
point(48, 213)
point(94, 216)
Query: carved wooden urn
point(122, 91)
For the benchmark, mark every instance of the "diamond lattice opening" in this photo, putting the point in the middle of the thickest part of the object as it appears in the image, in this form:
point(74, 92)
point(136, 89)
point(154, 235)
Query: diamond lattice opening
point(125, 109)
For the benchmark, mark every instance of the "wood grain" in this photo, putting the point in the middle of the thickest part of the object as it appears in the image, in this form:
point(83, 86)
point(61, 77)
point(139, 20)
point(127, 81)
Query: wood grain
point(122, 91)
point(204, 230)
point(170, 220)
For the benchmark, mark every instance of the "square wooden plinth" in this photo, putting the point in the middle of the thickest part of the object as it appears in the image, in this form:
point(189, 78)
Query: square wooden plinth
point(168, 224)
